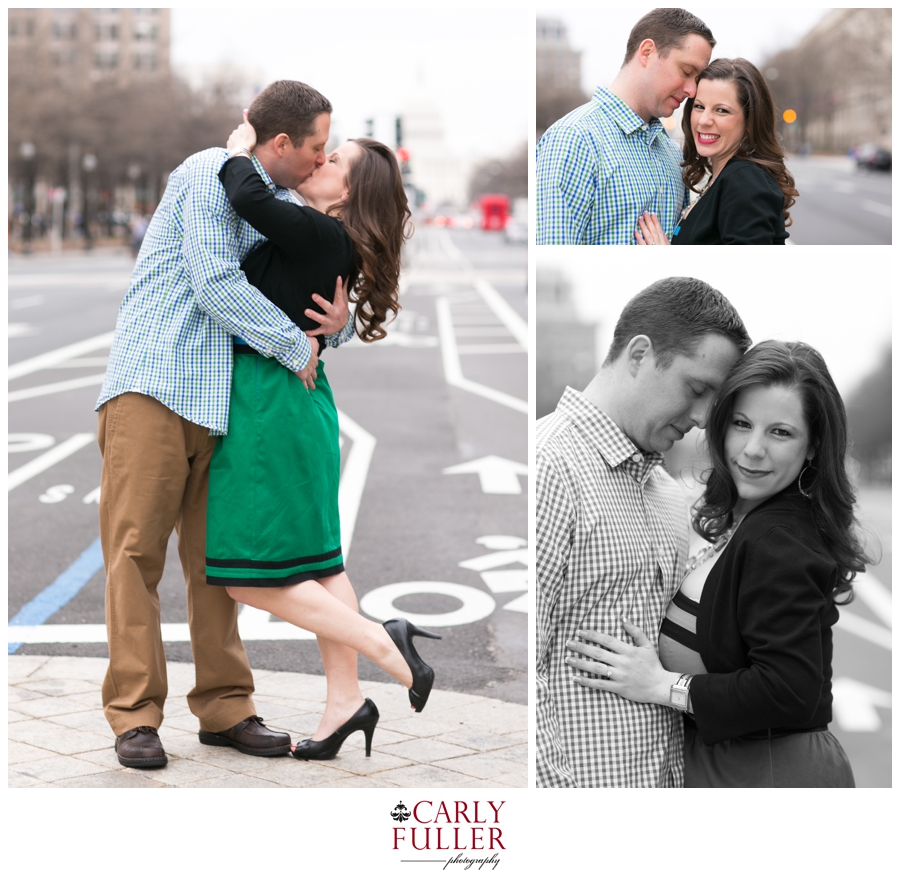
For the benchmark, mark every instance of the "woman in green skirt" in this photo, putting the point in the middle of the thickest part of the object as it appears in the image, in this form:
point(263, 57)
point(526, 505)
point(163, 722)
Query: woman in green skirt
point(273, 529)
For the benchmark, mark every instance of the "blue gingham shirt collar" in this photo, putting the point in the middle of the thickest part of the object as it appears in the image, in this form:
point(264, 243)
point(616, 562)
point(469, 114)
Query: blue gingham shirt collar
point(625, 117)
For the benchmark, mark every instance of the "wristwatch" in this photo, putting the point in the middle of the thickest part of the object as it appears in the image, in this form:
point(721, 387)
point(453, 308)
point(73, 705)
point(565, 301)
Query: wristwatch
point(680, 692)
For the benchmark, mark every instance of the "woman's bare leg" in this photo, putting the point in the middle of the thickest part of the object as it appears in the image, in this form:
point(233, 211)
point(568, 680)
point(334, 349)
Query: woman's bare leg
point(328, 608)
point(344, 697)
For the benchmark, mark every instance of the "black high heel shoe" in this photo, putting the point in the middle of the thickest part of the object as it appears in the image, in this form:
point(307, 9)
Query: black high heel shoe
point(365, 718)
point(402, 632)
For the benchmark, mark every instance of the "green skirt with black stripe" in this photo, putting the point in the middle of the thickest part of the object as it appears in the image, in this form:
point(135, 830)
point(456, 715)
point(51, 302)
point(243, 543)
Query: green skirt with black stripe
point(272, 515)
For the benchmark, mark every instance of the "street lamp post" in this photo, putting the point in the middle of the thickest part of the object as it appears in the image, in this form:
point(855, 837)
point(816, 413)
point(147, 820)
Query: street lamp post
point(28, 151)
point(89, 164)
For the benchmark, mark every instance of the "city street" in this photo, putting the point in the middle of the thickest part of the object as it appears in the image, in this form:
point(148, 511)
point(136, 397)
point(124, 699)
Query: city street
point(434, 452)
point(839, 204)
point(863, 711)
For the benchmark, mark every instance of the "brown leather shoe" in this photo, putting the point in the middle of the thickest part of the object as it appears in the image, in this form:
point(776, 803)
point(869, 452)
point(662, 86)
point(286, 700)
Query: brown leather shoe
point(141, 748)
point(250, 737)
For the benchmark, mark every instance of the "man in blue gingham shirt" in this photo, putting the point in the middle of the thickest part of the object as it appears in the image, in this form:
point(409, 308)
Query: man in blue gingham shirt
point(165, 398)
point(189, 297)
point(606, 163)
point(612, 528)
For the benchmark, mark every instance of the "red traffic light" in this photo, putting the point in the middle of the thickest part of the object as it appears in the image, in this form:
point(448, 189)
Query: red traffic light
point(403, 154)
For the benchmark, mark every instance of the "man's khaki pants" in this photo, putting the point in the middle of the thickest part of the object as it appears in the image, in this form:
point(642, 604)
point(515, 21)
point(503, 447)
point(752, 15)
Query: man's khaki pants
point(155, 479)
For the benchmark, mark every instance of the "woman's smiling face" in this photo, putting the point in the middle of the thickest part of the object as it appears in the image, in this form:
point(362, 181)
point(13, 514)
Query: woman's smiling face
point(767, 443)
point(717, 121)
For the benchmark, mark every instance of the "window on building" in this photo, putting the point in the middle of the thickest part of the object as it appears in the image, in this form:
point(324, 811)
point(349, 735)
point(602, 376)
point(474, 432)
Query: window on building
point(65, 30)
point(146, 62)
point(145, 31)
point(106, 60)
point(105, 32)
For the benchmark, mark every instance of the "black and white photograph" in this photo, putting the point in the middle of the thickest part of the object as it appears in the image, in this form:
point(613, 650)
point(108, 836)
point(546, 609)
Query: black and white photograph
point(713, 545)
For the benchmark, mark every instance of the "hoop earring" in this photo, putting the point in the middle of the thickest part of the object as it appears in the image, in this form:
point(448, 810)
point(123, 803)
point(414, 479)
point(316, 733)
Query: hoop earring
point(800, 476)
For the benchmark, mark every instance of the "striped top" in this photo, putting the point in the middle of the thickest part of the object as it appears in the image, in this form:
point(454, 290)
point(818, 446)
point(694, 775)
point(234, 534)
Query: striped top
point(599, 168)
point(678, 649)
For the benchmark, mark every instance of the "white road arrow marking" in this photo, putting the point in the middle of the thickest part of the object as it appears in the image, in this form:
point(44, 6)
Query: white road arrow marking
point(855, 705)
point(497, 475)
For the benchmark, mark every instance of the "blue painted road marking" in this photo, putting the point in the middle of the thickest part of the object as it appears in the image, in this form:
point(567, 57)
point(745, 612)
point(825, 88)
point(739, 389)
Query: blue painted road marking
point(51, 599)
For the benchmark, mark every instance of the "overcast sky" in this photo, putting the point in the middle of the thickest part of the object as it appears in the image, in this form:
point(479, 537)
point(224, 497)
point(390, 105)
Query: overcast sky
point(839, 305)
point(477, 65)
point(601, 34)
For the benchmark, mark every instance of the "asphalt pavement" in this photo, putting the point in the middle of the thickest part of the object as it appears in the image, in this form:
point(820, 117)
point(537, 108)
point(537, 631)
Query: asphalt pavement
point(839, 204)
point(434, 477)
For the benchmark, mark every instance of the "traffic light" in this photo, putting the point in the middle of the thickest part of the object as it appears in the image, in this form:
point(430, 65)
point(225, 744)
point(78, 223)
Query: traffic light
point(399, 131)
point(370, 127)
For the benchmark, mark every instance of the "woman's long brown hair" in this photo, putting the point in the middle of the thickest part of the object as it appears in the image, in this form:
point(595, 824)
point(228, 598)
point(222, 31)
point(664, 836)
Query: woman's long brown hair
point(376, 215)
point(759, 144)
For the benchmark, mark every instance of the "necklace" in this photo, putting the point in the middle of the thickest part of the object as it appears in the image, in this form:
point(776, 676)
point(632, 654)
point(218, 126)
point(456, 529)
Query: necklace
point(711, 550)
point(693, 204)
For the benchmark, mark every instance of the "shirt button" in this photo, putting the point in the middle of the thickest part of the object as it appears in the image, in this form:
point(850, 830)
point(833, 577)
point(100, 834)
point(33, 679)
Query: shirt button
point(637, 458)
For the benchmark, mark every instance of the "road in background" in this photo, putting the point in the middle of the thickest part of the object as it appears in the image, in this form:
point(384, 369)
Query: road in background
point(839, 204)
point(434, 453)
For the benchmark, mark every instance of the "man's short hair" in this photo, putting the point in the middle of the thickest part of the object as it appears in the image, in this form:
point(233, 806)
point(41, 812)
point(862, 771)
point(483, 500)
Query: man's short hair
point(668, 28)
point(287, 107)
point(676, 314)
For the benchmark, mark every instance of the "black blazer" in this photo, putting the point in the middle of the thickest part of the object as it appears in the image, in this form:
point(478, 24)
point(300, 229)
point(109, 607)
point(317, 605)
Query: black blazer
point(764, 626)
point(306, 250)
point(743, 206)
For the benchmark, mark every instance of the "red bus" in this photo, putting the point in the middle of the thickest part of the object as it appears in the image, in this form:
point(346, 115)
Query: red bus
point(494, 212)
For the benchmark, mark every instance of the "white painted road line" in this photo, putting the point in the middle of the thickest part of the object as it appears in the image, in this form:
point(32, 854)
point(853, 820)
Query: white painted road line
point(353, 477)
point(453, 370)
point(48, 459)
point(488, 349)
point(104, 279)
point(48, 360)
point(504, 312)
point(53, 388)
point(856, 705)
point(875, 595)
point(865, 629)
point(877, 207)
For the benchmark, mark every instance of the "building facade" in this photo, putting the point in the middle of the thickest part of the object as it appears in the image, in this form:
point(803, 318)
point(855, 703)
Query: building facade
point(80, 47)
point(838, 81)
point(558, 68)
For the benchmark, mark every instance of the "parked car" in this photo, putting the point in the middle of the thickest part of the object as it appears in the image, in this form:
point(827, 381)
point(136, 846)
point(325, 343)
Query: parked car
point(871, 157)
